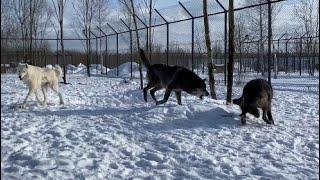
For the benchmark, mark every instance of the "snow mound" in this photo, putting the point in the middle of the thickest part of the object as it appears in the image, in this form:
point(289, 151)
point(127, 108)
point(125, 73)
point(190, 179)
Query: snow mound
point(49, 66)
point(80, 69)
point(124, 70)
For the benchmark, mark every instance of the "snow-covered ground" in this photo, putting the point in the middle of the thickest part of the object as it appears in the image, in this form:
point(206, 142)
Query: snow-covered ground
point(106, 131)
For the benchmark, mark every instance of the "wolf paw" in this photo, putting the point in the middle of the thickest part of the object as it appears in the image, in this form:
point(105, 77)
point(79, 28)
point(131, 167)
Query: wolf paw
point(270, 122)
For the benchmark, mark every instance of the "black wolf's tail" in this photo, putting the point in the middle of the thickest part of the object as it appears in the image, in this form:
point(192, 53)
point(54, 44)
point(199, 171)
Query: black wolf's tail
point(144, 59)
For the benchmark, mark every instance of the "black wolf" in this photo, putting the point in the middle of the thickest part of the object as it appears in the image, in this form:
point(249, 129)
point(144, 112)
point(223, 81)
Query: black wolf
point(256, 94)
point(172, 78)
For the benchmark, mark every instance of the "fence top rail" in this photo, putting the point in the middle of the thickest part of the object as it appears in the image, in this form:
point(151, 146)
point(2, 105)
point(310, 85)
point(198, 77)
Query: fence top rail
point(43, 39)
point(153, 26)
point(284, 39)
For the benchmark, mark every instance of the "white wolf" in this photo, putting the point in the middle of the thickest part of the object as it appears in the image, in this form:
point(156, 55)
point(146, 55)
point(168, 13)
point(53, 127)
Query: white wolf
point(40, 78)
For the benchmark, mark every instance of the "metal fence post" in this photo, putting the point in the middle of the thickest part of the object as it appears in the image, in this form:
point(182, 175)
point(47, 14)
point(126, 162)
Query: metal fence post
point(117, 36)
point(96, 37)
point(146, 27)
point(287, 58)
point(130, 31)
point(309, 57)
point(225, 41)
point(300, 55)
point(117, 54)
point(167, 25)
point(106, 59)
point(106, 51)
point(192, 35)
point(269, 40)
point(58, 47)
point(278, 55)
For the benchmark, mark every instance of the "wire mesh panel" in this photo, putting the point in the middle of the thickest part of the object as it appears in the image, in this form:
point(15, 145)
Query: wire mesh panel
point(177, 38)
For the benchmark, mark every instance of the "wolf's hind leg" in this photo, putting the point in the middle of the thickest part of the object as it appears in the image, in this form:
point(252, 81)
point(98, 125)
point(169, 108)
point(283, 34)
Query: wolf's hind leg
point(166, 97)
point(44, 91)
point(243, 115)
point(145, 91)
point(243, 118)
point(55, 88)
point(153, 91)
point(270, 119)
point(178, 96)
point(38, 98)
point(264, 116)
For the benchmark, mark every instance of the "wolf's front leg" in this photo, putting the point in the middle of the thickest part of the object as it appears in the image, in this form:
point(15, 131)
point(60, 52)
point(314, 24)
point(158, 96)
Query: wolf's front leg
point(145, 91)
point(166, 97)
point(153, 91)
point(24, 104)
point(44, 91)
point(270, 117)
point(55, 88)
point(178, 96)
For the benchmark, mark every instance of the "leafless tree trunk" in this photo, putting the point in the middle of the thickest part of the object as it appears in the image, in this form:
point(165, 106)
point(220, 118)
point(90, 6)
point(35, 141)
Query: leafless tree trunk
point(84, 14)
point(145, 8)
point(269, 40)
point(138, 42)
point(59, 12)
point(32, 18)
point(100, 20)
point(210, 65)
point(22, 15)
point(149, 29)
point(257, 22)
point(30, 30)
point(231, 52)
point(308, 17)
point(241, 34)
point(100, 23)
point(199, 45)
point(260, 55)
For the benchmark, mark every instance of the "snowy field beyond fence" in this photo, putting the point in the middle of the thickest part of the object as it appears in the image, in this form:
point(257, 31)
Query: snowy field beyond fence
point(106, 131)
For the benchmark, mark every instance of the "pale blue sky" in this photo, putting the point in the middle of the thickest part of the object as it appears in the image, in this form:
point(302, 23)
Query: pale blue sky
point(181, 32)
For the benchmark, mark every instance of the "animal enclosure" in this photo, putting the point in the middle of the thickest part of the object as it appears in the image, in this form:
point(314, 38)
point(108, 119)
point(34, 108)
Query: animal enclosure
point(295, 49)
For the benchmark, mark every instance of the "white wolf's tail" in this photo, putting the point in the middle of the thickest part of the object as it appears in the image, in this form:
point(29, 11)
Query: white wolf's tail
point(58, 70)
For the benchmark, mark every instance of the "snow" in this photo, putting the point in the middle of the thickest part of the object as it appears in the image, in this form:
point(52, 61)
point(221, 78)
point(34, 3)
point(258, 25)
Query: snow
point(106, 131)
point(124, 70)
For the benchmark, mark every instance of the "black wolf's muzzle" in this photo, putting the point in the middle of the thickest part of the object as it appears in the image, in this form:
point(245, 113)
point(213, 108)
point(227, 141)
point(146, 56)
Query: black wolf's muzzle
point(206, 94)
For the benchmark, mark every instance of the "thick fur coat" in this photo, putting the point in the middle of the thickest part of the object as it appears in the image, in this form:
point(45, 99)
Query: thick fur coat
point(38, 78)
point(172, 78)
point(257, 93)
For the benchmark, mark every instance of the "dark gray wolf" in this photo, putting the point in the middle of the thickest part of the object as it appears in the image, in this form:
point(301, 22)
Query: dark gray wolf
point(256, 94)
point(172, 78)
point(39, 78)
